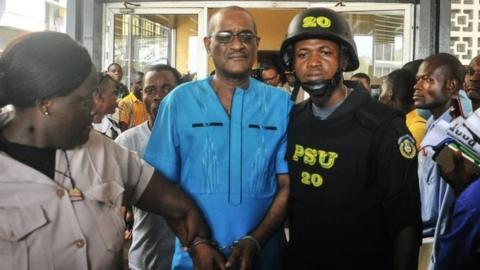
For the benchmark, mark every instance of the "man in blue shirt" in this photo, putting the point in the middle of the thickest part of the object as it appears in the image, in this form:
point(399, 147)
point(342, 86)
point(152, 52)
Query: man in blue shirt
point(438, 79)
point(459, 247)
point(224, 140)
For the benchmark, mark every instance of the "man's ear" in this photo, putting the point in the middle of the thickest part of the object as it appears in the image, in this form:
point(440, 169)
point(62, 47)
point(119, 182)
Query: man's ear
point(99, 96)
point(452, 86)
point(206, 43)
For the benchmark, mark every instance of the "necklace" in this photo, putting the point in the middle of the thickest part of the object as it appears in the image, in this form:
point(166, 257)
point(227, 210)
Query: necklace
point(73, 193)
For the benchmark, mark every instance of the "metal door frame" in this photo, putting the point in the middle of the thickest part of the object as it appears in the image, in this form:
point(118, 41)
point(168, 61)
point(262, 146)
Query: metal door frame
point(201, 9)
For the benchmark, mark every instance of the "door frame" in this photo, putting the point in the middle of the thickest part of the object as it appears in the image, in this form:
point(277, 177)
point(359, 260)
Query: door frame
point(201, 9)
point(113, 9)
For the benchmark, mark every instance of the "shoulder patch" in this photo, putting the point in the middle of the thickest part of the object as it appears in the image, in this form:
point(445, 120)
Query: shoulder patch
point(406, 145)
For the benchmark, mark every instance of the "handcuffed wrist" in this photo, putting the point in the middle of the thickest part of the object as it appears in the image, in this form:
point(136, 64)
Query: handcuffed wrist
point(198, 241)
point(254, 240)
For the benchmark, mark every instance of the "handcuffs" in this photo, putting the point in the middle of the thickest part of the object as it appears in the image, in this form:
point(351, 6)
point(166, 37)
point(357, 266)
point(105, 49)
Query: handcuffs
point(199, 240)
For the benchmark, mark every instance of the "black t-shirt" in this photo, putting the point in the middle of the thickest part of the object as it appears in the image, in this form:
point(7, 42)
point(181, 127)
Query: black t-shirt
point(353, 185)
point(41, 159)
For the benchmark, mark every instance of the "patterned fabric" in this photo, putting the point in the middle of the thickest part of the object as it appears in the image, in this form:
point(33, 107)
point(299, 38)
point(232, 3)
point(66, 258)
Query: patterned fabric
point(228, 164)
point(132, 112)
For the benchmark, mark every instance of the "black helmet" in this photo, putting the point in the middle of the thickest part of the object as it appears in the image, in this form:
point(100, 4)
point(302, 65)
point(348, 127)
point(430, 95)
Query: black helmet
point(320, 23)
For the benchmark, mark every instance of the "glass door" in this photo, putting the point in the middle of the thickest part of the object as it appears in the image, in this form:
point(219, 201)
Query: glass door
point(163, 32)
point(139, 38)
point(383, 32)
point(383, 35)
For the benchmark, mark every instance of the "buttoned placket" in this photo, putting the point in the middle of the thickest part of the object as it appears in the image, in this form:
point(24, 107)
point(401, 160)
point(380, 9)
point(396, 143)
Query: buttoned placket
point(77, 240)
point(235, 160)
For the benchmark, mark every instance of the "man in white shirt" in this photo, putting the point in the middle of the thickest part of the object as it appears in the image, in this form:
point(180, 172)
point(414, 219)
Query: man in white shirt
point(153, 241)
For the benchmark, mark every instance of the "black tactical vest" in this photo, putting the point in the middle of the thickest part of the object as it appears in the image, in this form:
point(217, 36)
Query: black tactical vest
point(333, 185)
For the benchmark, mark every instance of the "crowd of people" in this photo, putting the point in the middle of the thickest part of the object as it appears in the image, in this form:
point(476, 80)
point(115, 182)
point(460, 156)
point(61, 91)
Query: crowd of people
point(210, 170)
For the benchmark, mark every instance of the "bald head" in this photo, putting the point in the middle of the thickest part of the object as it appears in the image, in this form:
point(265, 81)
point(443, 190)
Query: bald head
point(472, 82)
point(216, 18)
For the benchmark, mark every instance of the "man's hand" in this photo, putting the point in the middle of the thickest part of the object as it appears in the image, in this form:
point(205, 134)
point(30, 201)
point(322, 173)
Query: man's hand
point(206, 257)
point(243, 252)
point(128, 217)
point(458, 178)
point(127, 235)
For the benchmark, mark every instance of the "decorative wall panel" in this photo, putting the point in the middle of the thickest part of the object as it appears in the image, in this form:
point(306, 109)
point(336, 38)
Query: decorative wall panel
point(465, 29)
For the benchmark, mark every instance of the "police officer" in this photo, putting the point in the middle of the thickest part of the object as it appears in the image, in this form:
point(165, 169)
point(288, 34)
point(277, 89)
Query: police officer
point(354, 191)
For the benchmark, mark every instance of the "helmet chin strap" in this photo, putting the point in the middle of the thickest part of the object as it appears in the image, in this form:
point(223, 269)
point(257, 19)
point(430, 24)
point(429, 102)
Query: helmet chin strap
point(323, 86)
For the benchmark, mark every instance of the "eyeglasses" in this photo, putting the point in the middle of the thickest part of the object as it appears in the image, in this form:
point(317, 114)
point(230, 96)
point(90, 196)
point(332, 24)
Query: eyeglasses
point(150, 90)
point(227, 37)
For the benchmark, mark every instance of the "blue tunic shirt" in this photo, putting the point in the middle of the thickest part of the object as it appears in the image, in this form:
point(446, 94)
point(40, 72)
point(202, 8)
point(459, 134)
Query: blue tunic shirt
point(459, 248)
point(227, 164)
point(435, 194)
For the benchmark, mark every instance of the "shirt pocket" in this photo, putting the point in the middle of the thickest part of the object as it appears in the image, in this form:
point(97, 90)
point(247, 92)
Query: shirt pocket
point(16, 225)
point(259, 152)
point(263, 135)
point(104, 201)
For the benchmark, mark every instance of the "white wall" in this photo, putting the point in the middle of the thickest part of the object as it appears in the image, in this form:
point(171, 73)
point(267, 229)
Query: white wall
point(26, 15)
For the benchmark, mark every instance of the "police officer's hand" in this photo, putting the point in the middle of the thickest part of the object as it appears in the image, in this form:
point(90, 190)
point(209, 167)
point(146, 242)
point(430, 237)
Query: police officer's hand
point(243, 253)
point(207, 257)
point(187, 229)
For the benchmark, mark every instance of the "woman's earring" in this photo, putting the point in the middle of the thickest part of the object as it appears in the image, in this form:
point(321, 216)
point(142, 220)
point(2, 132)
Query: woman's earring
point(45, 111)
